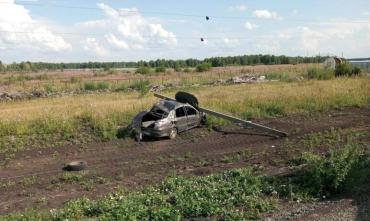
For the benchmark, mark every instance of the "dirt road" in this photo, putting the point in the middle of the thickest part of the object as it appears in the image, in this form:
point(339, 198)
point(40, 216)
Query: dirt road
point(34, 179)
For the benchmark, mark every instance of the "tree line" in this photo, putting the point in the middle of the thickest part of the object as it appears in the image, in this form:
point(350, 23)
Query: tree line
point(214, 62)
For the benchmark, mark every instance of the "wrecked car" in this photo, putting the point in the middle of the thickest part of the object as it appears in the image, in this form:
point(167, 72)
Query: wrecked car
point(167, 118)
point(170, 116)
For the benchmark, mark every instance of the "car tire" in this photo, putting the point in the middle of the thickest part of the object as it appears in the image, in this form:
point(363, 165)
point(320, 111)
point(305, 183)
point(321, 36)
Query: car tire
point(75, 166)
point(173, 133)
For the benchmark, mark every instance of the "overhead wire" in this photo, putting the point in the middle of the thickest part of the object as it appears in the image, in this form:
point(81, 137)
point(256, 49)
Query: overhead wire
point(207, 17)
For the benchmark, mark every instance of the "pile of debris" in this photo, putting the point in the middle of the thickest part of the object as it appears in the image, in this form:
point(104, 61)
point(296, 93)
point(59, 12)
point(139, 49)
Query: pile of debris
point(5, 96)
point(248, 79)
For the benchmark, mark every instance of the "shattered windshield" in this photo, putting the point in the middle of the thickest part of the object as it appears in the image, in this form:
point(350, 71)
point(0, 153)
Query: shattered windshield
point(157, 111)
point(162, 109)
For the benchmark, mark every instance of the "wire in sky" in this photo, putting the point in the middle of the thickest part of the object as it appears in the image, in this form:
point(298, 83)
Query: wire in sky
point(134, 12)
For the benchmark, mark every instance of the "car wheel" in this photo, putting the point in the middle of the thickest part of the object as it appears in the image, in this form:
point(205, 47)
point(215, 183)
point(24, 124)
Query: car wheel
point(173, 133)
point(75, 166)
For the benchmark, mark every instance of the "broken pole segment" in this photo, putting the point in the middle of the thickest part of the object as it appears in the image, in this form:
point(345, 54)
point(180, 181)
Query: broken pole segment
point(233, 119)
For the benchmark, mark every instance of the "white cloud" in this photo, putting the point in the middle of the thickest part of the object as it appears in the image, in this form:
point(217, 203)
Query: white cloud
point(91, 44)
point(230, 42)
point(113, 40)
point(248, 25)
point(265, 14)
point(127, 29)
point(20, 30)
point(326, 38)
point(240, 8)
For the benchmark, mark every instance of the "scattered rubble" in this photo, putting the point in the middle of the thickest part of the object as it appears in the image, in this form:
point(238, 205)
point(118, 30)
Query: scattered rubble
point(13, 96)
point(248, 79)
point(156, 88)
point(5, 96)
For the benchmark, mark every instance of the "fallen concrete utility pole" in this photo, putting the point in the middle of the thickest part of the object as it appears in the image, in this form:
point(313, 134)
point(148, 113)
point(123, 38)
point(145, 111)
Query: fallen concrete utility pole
point(241, 122)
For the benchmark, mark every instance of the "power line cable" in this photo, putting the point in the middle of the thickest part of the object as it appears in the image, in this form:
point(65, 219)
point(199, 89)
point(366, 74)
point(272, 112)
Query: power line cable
point(135, 12)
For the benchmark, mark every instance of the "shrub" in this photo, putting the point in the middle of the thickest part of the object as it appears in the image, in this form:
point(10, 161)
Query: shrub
point(160, 69)
point(343, 69)
point(331, 174)
point(320, 73)
point(141, 86)
point(143, 70)
point(187, 70)
point(204, 67)
point(178, 68)
point(102, 85)
point(90, 86)
point(356, 71)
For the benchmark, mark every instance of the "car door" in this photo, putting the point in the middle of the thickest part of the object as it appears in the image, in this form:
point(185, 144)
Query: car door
point(193, 117)
point(180, 119)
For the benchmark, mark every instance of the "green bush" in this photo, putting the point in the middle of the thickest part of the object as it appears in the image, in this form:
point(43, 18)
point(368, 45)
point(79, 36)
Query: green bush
point(187, 70)
point(102, 85)
point(160, 69)
point(204, 67)
point(331, 174)
point(141, 86)
point(90, 86)
point(320, 73)
point(356, 71)
point(178, 68)
point(343, 69)
point(143, 70)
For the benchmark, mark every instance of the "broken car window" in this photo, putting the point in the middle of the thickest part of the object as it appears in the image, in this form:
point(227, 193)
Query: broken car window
point(180, 112)
point(190, 111)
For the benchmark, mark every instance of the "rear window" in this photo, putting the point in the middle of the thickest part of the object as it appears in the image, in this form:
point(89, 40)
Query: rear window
point(180, 112)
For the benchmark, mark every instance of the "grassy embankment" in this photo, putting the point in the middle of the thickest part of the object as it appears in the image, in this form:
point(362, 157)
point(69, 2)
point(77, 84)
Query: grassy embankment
point(84, 118)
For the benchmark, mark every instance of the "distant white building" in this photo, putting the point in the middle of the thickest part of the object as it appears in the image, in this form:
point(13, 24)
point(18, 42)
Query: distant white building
point(363, 63)
point(332, 62)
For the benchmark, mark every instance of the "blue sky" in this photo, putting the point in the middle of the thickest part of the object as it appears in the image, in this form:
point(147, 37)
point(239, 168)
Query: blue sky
point(114, 30)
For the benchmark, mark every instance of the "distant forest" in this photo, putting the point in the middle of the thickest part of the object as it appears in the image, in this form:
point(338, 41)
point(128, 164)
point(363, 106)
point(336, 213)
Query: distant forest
point(214, 62)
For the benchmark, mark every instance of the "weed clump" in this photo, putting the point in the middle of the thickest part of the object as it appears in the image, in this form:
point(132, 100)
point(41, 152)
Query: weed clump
point(160, 69)
point(204, 67)
point(346, 69)
point(320, 73)
point(91, 86)
point(143, 70)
